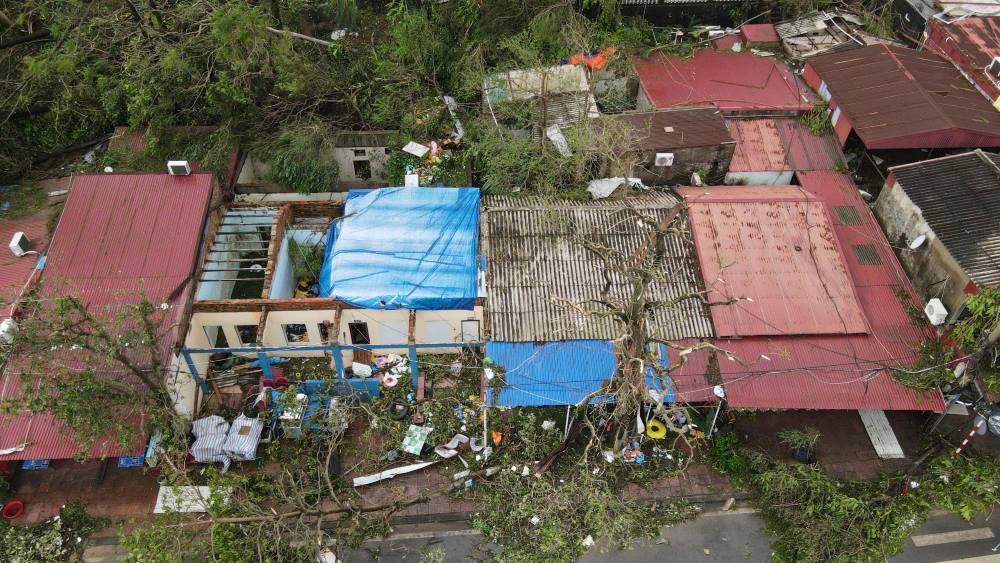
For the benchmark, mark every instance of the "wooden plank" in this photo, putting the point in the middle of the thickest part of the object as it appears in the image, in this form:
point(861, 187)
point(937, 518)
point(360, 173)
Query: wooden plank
point(881, 434)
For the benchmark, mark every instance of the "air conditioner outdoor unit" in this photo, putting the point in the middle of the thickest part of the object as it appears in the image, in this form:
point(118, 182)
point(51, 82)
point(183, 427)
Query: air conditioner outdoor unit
point(7, 330)
point(664, 159)
point(19, 244)
point(178, 168)
point(994, 67)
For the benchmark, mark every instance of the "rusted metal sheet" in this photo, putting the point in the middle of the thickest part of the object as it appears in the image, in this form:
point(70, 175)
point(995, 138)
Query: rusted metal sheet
point(542, 283)
point(774, 252)
point(677, 128)
point(734, 82)
point(970, 43)
point(759, 146)
point(794, 371)
point(900, 98)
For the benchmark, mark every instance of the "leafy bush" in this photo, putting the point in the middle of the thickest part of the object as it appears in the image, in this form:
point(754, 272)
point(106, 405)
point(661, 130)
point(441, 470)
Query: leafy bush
point(818, 119)
point(817, 518)
point(53, 540)
point(302, 160)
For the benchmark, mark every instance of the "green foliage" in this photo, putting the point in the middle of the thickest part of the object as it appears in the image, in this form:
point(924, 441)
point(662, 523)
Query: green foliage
point(932, 368)
point(577, 497)
point(57, 539)
point(817, 518)
point(818, 119)
point(302, 160)
point(805, 438)
point(725, 454)
point(972, 331)
point(878, 19)
point(307, 260)
point(793, 8)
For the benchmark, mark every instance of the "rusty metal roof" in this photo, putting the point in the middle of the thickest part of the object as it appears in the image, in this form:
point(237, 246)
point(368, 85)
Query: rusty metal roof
point(781, 143)
point(896, 97)
point(959, 198)
point(773, 249)
point(15, 270)
point(759, 146)
point(536, 268)
point(978, 38)
point(120, 237)
point(677, 128)
point(794, 371)
point(734, 82)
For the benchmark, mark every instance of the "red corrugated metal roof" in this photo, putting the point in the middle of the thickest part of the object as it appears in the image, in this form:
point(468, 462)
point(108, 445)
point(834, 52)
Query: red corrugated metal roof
point(774, 247)
point(806, 151)
point(735, 82)
point(759, 33)
point(759, 146)
point(677, 128)
point(831, 371)
point(14, 270)
point(781, 143)
point(971, 44)
point(899, 98)
point(120, 236)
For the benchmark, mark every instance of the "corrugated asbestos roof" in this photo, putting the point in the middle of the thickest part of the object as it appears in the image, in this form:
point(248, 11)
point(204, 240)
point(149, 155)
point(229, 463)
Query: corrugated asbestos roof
point(896, 97)
point(14, 270)
point(793, 371)
point(782, 143)
point(536, 263)
point(677, 128)
point(773, 248)
point(119, 236)
point(959, 198)
point(735, 82)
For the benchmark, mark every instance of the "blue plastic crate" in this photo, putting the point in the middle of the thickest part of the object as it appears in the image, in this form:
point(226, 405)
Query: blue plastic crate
point(131, 461)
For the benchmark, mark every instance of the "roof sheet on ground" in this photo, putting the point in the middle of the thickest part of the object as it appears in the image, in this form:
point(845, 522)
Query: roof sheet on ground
point(735, 82)
point(404, 248)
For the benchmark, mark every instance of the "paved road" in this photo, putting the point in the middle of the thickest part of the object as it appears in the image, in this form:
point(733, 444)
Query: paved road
point(713, 537)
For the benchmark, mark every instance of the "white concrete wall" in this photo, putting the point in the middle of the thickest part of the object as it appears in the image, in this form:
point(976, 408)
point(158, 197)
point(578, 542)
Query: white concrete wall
point(932, 269)
point(384, 327)
point(772, 178)
point(345, 157)
point(182, 387)
point(283, 282)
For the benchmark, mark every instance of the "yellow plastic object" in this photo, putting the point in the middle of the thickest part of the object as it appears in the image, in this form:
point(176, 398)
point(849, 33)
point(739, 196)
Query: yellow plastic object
point(656, 430)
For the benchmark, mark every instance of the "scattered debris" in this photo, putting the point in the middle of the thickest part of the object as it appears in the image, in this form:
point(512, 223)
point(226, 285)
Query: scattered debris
point(390, 473)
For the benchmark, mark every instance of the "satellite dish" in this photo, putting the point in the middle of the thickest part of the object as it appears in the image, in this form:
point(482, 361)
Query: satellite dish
point(918, 242)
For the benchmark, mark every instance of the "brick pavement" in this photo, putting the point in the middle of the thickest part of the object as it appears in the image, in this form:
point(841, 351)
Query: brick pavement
point(122, 495)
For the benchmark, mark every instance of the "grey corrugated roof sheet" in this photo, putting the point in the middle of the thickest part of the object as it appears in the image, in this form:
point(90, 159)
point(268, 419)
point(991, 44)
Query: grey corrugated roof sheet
point(959, 198)
point(536, 265)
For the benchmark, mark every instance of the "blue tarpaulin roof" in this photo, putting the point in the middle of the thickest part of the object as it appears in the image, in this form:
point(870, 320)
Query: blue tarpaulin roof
point(555, 373)
point(404, 248)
